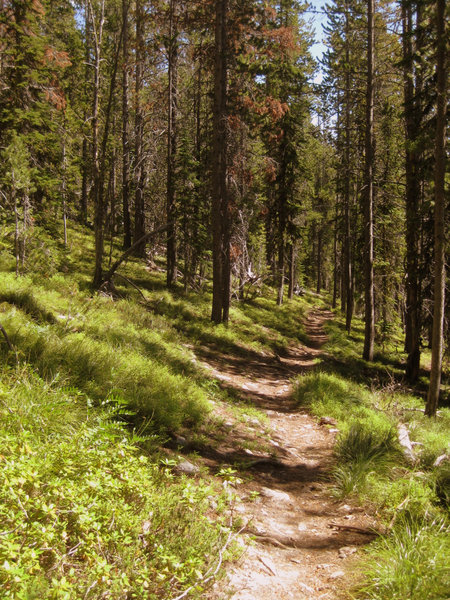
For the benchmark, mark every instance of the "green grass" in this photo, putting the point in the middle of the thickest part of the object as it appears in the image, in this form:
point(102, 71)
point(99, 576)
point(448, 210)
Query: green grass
point(412, 563)
point(84, 512)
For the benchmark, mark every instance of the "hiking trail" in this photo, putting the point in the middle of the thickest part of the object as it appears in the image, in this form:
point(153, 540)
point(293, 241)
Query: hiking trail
point(298, 541)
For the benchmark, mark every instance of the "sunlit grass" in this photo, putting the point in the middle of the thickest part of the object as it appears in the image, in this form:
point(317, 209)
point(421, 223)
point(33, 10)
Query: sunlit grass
point(82, 508)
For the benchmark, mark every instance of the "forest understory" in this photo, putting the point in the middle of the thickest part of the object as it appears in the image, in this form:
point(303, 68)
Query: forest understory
point(148, 453)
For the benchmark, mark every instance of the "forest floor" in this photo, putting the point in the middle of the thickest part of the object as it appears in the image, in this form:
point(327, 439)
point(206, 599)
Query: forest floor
point(297, 540)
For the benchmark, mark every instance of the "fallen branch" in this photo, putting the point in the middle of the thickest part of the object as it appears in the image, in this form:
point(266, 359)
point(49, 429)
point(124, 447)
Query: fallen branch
point(8, 341)
point(268, 567)
point(271, 540)
point(362, 530)
point(5, 335)
point(131, 249)
point(207, 577)
point(132, 284)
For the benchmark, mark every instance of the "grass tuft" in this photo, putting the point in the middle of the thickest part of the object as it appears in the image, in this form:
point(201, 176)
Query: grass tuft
point(412, 563)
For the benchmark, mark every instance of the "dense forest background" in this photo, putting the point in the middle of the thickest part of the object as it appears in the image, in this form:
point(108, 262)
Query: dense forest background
point(195, 130)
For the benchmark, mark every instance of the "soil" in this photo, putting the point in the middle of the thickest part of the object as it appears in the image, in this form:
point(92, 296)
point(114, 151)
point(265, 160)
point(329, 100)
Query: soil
point(298, 541)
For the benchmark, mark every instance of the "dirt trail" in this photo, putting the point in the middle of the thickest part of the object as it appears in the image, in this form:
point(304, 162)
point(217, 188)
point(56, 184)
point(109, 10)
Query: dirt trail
point(303, 539)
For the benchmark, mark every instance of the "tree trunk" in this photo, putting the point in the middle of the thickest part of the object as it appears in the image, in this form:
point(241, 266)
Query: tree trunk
point(335, 257)
point(97, 32)
point(100, 162)
point(125, 134)
point(139, 210)
point(439, 216)
point(347, 295)
point(220, 209)
point(84, 180)
point(369, 310)
point(319, 259)
point(172, 59)
point(16, 231)
point(63, 189)
point(281, 232)
point(412, 126)
point(291, 270)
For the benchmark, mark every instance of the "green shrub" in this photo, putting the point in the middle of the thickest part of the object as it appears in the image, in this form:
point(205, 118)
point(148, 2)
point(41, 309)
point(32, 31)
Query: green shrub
point(85, 513)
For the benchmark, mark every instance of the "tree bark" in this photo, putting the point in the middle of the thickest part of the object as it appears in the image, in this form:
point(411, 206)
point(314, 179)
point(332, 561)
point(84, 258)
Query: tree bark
point(369, 310)
point(335, 257)
point(139, 209)
point(412, 195)
point(125, 134)
point(100, 169)
point(220, 202)
point(291, 270)
point(97, 33)
point(439, 216)
point(347, 289)
point(172, 59)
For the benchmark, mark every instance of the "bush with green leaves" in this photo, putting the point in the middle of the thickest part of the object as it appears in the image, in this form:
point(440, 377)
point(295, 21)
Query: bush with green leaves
point(84, 512)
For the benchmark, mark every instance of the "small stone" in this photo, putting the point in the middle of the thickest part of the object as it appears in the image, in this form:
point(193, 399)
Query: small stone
point(276, 495)
point(181, 441)
point(333, 430)
point(187, 468)
point(337, 575)
point(347, 551)
point(247, 451)
point(323, 566)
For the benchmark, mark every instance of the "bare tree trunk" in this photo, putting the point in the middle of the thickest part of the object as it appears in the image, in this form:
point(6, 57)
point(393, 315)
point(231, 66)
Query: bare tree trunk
point(125, 134)
point(16, 231)
point(347, 288)
point(335, 257)
point(291, 270)
point(319, 259)
point(63, 188)
point(172, 59)
point(100, 169)
point(84, 181)
point(281, 232)
point(139, 210)
point(220, 209)
point(369, 311)
point(412, 125)
point(85, 146)
point(439, 216)
point(280, 270)
point(97, 33)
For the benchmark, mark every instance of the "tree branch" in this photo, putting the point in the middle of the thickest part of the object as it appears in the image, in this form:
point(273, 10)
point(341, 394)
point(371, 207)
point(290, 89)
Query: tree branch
point(131, 249)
